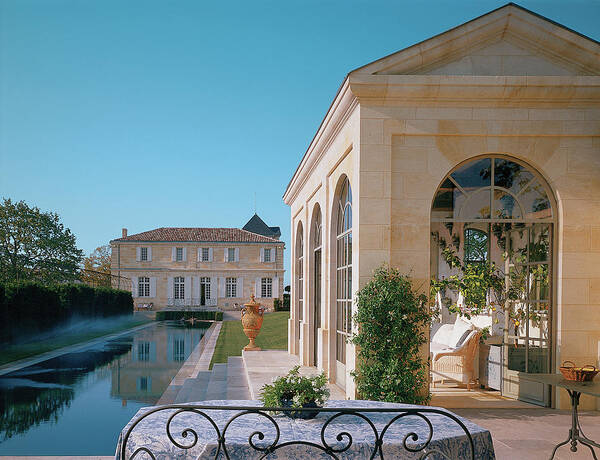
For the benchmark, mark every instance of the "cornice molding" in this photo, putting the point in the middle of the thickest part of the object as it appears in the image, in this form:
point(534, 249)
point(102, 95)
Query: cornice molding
point(444, 88)
point(338, 114)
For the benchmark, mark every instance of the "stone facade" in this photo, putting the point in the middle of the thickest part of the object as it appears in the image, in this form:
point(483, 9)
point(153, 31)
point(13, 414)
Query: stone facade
point(167, 267)
point(509, 84)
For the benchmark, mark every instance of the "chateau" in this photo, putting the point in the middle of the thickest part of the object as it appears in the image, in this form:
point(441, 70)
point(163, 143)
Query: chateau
point(195, 267)
point(487, 137)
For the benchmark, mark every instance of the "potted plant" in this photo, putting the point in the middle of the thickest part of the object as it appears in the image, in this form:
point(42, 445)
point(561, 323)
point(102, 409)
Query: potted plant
point(296, 391)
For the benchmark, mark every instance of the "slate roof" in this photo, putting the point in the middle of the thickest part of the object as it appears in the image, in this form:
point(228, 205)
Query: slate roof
point(257, 225)
point(181, 234)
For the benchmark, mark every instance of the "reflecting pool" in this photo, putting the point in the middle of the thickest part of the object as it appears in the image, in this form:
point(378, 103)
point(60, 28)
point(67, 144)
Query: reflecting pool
point(77, 403)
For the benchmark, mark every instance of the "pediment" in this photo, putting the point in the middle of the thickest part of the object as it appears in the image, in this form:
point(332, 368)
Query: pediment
point(501, 58)
point(508, 41)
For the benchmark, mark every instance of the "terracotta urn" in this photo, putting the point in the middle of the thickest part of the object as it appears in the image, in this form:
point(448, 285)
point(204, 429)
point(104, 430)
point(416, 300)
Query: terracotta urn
point(252, 319)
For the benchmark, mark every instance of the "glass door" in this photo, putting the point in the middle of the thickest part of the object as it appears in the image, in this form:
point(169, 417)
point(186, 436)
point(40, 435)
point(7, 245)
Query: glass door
point(527, 340)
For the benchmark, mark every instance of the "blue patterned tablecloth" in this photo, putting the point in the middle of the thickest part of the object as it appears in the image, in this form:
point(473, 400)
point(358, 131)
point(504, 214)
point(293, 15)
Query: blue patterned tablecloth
point(448, 437)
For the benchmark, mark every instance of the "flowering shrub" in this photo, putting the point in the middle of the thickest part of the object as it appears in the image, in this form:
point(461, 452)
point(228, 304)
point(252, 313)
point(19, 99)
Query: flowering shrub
point(392, 321)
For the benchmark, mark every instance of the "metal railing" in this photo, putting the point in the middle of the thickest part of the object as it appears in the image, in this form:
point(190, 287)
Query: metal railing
point(335, 436)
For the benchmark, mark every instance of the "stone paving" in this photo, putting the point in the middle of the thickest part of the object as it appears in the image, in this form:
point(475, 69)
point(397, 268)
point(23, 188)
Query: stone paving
point(264, 366)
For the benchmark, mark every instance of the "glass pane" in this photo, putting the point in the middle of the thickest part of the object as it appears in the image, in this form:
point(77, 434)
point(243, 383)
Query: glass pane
point(474, 175)
point(505, 206)
point(444, 204)
point(539, 282)
point(348, 217)
point(349, 256)
point(510, 175)
point(535, 202)
point(539, 246)
point(476, 205)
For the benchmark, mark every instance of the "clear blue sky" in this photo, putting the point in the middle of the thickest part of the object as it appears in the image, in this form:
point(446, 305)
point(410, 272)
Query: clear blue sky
point(143, 114)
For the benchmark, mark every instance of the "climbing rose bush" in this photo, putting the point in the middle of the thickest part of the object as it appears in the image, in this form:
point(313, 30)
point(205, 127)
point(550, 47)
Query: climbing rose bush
point(392, 320)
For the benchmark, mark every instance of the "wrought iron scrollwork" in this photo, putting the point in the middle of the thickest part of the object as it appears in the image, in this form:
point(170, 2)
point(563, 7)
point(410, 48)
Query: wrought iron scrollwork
point(266, 439)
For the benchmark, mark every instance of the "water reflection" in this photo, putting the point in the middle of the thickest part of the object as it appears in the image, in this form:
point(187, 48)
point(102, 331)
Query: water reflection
point(119, 376)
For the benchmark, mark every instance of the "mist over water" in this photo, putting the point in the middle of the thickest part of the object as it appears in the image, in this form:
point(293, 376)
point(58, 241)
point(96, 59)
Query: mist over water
point(77, 325)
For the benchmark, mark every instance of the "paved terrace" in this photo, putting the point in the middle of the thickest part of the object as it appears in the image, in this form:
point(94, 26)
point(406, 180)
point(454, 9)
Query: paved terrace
point(519, 431)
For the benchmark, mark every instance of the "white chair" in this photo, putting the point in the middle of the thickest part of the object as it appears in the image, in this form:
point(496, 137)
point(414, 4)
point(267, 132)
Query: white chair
point(453, 348)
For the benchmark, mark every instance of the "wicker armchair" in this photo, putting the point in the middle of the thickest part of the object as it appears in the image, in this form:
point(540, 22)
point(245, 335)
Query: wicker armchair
point(457, 363)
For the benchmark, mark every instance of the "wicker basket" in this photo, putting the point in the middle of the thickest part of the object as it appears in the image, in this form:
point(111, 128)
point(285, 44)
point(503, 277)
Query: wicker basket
point(578, 374)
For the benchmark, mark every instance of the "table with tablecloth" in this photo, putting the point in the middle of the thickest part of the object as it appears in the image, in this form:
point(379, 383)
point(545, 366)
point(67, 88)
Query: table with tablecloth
point(448, 439)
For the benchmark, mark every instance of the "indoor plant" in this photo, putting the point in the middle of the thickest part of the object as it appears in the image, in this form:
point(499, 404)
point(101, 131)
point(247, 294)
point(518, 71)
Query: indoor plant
point(297, 391)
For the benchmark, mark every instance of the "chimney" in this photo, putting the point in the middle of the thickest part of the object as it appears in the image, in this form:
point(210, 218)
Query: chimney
point(124, 233)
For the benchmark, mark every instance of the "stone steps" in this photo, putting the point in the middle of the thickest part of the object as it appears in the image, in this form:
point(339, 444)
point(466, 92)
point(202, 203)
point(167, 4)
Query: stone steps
point(225, 381)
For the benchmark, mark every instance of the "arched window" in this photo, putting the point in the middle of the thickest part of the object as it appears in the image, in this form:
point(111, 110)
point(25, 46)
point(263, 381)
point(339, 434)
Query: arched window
point(494, 213)
point(300, 271)
point(317, 238)
point(344, 269)
point(476, 246)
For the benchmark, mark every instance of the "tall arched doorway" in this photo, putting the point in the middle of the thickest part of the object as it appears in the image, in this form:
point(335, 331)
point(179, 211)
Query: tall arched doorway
point(299, 283)
point(316, 281)
point(497, 212)
point(342, 254)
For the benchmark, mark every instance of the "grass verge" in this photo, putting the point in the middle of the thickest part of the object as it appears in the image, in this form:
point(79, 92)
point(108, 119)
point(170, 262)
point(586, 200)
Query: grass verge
point(272, 336)
point(27, 350)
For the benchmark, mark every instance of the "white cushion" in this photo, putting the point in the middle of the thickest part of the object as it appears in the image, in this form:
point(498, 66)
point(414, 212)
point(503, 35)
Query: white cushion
point(461, 328)
point(442, 335)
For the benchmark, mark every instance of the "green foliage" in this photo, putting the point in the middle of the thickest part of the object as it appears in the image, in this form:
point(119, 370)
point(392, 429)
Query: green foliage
point(35, 245)
point(475, 281)
point(278, 305)
point(392, 320)
point(286, 301)
point(199, 315)
point(298, 389)
point(30, 307)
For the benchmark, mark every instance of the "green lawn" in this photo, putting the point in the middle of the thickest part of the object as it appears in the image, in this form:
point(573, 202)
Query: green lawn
point(272, 336)
point(27, 350)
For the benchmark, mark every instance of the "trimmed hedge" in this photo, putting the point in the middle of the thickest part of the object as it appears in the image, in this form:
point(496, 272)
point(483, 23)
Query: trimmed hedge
point(199, 315)
point(278, 305)
point(28, 308)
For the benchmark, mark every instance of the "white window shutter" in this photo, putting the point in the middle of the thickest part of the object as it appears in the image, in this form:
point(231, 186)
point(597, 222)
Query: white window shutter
point(213, 287)
point(240, 287)
point(221, 287)
point(134, 286)
point(153, 286)
point(187, 294)
point(257, 292)
point(237, 254)
point(184, 254)
point(210, 254)
point(138, 254)
point(275, 288)
point(170, 291)
point(173, 251)
point(199, 255)
point(225, 254)
point(196, 281)
point(150, 253)
point(262, 254)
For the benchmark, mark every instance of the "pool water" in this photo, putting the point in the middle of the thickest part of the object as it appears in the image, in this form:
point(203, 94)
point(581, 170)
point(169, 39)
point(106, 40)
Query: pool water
point(77, 403)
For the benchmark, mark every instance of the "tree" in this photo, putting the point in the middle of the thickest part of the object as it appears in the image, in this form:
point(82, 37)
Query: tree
point(35, 245)
point(96, 267)
point(99, 260)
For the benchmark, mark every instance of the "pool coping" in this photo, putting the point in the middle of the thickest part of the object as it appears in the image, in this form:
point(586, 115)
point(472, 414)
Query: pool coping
point(196, 362)
point(25, 362)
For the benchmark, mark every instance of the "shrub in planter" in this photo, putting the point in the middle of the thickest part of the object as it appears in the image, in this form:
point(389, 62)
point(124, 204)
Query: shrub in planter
point(392, 320)
point(294, 390)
